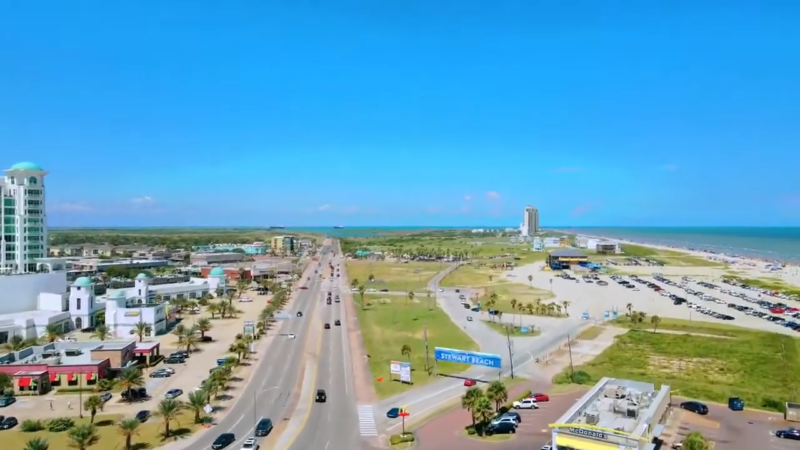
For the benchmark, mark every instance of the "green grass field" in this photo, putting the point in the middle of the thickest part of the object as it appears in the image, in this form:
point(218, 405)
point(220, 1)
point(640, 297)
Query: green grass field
point(150, 434)
point(762, 368)
point(395, 276)
point(391, 322)
point(774, 284)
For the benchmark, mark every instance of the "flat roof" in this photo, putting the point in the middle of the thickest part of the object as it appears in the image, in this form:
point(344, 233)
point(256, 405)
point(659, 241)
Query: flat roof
point(567, 253)
point(146, 346)
point(624, 405)
point(55, 353)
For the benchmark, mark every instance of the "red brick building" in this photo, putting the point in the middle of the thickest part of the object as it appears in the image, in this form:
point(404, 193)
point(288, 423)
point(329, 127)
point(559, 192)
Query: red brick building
point(231, 273)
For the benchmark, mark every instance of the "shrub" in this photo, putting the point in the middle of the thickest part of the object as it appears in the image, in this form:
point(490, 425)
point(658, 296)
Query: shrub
point(31, 425)
point(579, 377)
point(60, 424)
point(396, 439)
point(773, 405)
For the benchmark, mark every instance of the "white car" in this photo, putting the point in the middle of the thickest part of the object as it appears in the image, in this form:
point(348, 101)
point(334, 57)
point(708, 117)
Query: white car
point(354, 290)
point(372, 290)
point(441, 290)
point(526, 403)
point(290, 336)
point(504, 419)
point(168, 370)
point(250, 444)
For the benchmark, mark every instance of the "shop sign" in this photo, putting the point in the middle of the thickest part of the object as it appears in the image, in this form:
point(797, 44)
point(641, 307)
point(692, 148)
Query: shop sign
point(132, 313)
point(589, 433)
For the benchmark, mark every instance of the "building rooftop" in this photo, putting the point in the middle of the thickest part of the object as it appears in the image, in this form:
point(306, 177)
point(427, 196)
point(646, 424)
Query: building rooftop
point(623, 405)
point(568, 253)
point(62, 353)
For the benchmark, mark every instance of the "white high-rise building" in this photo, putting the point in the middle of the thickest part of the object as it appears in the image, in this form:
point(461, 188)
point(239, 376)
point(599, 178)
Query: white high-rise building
point(530, 221)
point(24, 236)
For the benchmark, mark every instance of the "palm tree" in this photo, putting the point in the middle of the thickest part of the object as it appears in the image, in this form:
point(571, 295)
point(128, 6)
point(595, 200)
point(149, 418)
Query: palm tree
point(497, 393)
point(140, 330)
point(354, 283)
point(16, 343)
point(128, 428)
point(406, 351)
point(629, 307)
point(655, 320)
point(470, 400)
point(131, 378)
point(513, 303)
point(37, 443)
point(83, 436)
point(530, 280)
point(92, 404)
point(565, 304)
point(180, 332)
point(361, 290)
point(203, 326)
point(196, 402)
point(190, 341)
point(483, 409)
point(410, 297)
point(101, 332)
point(168, 409)
point(52, 332)
point(239, 348)
point(222, 307)
point(213, 309)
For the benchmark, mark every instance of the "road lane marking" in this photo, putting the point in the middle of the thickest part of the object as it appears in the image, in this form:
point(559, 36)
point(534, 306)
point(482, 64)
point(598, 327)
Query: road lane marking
point(366, 421)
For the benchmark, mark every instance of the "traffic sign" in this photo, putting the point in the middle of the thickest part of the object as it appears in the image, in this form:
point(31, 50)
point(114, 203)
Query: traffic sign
point(403, 412)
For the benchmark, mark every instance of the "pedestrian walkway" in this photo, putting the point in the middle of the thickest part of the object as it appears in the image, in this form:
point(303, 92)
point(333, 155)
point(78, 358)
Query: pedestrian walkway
point(366, 421)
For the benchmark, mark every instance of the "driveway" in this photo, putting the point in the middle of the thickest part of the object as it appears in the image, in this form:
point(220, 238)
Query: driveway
point(744, 430)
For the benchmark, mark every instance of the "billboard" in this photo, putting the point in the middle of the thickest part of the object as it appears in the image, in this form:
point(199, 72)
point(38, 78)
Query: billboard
point(401, 368)
point(467, 357)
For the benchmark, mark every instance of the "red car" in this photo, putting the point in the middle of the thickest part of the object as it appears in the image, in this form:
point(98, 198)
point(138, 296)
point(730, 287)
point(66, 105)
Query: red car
point(470, 382)
point(304, 287)
point(540, 397)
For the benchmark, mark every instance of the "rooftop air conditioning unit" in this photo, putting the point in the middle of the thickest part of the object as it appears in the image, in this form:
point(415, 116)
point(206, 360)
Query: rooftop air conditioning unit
point(632, 413)
point(592, 418)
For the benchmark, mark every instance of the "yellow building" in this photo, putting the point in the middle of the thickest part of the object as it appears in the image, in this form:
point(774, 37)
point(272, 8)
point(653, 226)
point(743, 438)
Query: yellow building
point(283, 245)
point(615, 414)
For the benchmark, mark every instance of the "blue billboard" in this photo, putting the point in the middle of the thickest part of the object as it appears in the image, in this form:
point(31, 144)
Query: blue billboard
point(465, 357)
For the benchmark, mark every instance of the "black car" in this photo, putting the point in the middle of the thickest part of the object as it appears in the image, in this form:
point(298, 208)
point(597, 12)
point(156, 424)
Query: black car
point(695, 407)
point(515, 415)
point(299, 313)
point(143, 415)
point(790, 433)
point(180, 354)
point(206, 338)
point(8, 423)
point(135, 394)
point(501, 428)
point(174, 360)
point(223, 440)
point(322, 397)
point(337, 322)
point(263, 427)
point(327, 326)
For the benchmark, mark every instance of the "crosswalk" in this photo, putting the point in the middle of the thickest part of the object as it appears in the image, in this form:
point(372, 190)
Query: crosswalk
point(366, 421)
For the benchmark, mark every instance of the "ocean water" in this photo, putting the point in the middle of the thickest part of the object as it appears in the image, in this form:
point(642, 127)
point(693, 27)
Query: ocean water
point(777, 243)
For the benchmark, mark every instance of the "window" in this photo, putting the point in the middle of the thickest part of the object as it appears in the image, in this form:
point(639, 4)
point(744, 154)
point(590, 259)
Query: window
point(32, 180)
point(78, 304)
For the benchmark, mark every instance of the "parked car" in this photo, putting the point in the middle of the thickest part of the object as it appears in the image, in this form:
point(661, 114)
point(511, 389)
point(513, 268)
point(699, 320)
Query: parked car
point(526, 403)
point(143, 415)
point(7, 401)
point(501, 428)
point(539, 397)
point(8, 423)
point(695, 407)
point(174, 393)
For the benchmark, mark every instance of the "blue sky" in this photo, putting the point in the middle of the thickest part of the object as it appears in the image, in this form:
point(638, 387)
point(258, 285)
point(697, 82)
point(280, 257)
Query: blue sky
point(405, 113)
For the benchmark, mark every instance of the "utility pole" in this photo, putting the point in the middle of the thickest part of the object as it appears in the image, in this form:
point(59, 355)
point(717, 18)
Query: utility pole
point(571, 367)
point(510, 350)
point(425, 335)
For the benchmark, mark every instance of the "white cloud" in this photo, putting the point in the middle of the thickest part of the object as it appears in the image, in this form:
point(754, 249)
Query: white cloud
point(493, 195)
point(324, 207)
point(467, 198)
point(145, 200)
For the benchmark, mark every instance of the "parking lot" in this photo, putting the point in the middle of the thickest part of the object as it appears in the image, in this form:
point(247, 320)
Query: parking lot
point(744, 430)
point(446, 430)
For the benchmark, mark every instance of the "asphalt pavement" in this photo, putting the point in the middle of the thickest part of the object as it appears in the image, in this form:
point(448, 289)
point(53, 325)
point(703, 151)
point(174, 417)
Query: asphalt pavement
point(334, 424)
point(269, 391)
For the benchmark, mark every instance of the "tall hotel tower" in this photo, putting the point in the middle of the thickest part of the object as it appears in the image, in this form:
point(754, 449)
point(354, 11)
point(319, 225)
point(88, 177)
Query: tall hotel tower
point(24, 237)
point(530, 221)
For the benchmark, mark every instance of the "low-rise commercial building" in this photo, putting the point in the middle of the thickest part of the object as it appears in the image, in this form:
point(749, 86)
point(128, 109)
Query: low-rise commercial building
point(210, 259)
point(256, 248)
point(36, 370)
point(283, 245)
point(615, 414)
point(565, 257)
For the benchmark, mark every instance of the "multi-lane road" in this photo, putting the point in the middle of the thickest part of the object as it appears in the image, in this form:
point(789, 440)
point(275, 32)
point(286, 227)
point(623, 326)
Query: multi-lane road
point(274, 381)
point(334, 424)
